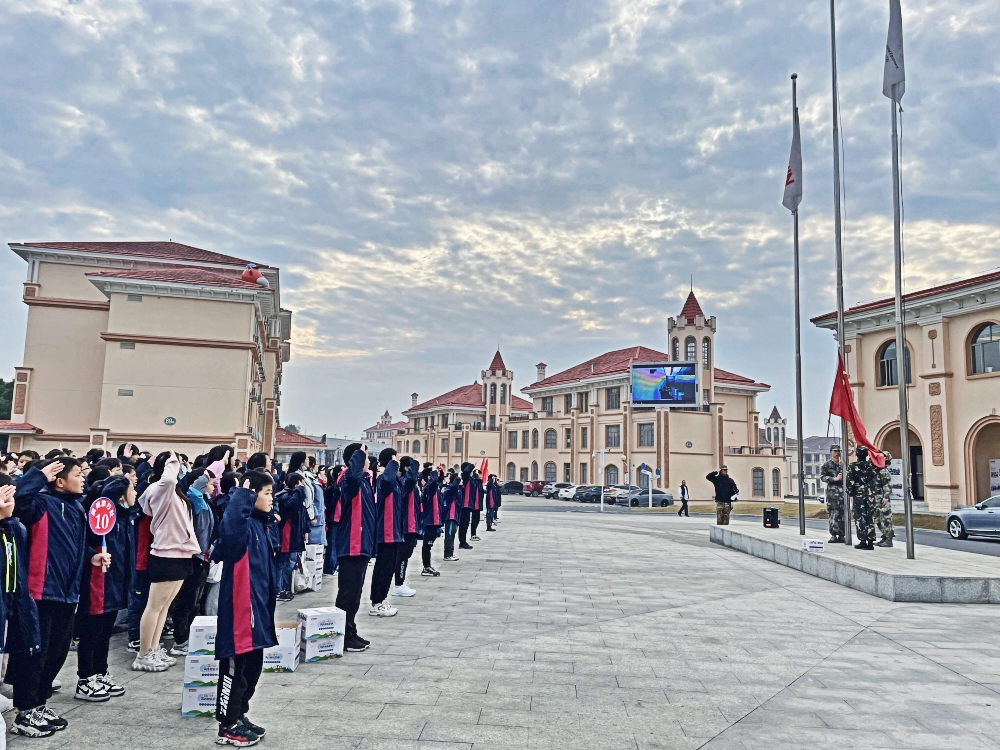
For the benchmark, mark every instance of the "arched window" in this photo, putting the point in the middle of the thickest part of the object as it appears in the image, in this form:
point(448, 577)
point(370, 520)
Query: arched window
point(758, 483)
point(706, 353)
point(407, 446)
point(610, 475)
point(986, 349)
point(690, 349)
point(534, 471)
point(511, 472)
point(493, 393)
point(550, 472)
point(769, 434)
point(888, 369)
point(550, 438)
point(503, 393)
point(534, 438)
point(416, 446)
point(675, 350)
point(782, 435)
point(775, 482)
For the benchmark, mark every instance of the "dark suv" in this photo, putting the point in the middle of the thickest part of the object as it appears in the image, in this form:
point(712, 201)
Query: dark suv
point(588, 494)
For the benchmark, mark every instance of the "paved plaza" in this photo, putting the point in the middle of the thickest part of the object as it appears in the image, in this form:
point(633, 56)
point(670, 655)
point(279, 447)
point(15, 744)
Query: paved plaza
point(580, 630)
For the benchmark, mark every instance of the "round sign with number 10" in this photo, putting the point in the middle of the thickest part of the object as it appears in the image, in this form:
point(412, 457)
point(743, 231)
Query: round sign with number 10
point(102, 516)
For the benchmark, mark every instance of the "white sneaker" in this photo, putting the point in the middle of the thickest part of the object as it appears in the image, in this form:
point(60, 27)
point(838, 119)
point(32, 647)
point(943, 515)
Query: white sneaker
point(6, 704)
point(179, 649)
point(56, 684)
point(92, 689)
point(162, 655)
point(382, 610)
point(403, 590)
point(148, 663)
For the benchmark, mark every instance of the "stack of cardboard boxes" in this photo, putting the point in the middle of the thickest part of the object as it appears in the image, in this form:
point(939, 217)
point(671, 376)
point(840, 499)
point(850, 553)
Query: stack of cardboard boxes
point(201, 670)
point(322, 631)
point(285, 656)
point(312, 565)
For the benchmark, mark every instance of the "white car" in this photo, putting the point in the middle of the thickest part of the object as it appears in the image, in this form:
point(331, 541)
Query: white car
point(566, 493)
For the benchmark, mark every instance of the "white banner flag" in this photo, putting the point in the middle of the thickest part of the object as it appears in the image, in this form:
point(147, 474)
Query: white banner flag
point(793, 179)
point(894, 79)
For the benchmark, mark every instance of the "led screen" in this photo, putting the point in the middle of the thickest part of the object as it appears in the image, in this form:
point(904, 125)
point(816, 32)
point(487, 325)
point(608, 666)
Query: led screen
point(669, 384)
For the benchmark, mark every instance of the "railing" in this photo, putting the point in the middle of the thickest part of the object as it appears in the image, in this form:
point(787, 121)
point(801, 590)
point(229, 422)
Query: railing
point(747, 450)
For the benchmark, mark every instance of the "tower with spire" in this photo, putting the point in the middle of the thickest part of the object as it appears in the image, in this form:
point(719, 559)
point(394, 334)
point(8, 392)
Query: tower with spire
point(498, 383)
point(773, 430)
point(691, 337)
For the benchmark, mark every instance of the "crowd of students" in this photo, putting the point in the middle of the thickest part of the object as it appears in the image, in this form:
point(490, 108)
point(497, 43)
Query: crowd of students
point(210, 536)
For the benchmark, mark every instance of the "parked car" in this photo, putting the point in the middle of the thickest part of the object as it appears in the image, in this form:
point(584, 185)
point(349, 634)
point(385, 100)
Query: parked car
point(552, 488)
point(511, 488)
point(566, 493)
point(587, 494)
point(639, 498)
point(982, 519)
point(616, 491)
point(533, 489)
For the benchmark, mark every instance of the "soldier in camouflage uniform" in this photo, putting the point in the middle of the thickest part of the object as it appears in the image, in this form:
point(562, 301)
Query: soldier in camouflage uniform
point(863, 487)
point(883, 514)
point(832, 473)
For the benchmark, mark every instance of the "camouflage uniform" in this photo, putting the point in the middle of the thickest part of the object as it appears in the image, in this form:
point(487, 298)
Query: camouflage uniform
point(834, 497)
point(863, 485)
point(883, 514)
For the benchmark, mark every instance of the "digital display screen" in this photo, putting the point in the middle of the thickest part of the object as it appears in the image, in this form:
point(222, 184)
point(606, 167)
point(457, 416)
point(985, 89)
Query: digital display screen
point(666, 384)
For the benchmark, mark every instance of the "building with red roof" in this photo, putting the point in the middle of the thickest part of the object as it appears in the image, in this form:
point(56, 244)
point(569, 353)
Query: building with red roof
point(287, 442)
point(160, 344)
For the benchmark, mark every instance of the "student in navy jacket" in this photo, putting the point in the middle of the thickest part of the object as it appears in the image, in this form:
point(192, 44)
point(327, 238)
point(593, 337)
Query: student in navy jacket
point(331, 496)
point(410, 497)
point(388, 532)
point(469, 498)
point(452, 500)
point(246, 605)
point(431, 515)
point(47, 502)
point(492, 500)
point(355, 542)
point(477, 505)
point(103, 592)
point(292, 530)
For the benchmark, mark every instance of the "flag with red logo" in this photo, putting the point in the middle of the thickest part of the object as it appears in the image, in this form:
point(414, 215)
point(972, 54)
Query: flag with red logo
point(842, 405)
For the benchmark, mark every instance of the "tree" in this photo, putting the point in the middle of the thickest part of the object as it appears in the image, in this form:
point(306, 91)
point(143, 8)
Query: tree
point(292, 428)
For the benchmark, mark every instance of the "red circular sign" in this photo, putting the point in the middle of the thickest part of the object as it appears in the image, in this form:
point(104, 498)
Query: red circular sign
point(102, 516)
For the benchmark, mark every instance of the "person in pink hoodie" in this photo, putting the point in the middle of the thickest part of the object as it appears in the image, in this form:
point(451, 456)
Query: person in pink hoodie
point(174, 542)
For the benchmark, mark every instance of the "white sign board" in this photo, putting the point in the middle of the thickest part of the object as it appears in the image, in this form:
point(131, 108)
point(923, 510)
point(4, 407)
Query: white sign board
point(813, 545)
point(994, 476)
point(896, 469)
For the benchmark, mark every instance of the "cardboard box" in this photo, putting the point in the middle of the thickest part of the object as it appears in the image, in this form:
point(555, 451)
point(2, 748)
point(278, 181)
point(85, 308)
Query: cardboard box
point(813, 545)
point(321, 649)
point(201, 641)
point(200, 671)
point(198, 702)
point(289, 634)
point(281, 658)
point(314, 552)
point(317, 581)
point(322, 622)
point(312, 567)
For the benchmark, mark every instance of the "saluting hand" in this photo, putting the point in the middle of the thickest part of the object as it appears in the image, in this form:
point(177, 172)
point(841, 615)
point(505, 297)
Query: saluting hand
point(7, 501)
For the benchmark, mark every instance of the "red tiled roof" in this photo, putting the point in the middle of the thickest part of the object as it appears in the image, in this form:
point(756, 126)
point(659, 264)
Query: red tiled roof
point(382, 427)
point(180, 275)
point(691, 308)
point(497, 363)
point(285, 437)
point(985, 278)
point(160, 250)
point(724, 376)
point(7, 426)
point(519, 404)
point(466, 395)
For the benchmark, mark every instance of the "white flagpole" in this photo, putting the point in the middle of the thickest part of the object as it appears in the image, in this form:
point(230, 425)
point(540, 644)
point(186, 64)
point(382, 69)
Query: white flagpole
point(840, 261)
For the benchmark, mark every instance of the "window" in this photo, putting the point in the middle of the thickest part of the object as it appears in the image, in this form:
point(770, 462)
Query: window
point(416, 446)
point(430, 423)
point(493, 393)
point(584, 434)
point(458, 445)
point(511, 472)
point(493, 421)
point(550, 438)
point(614, 398)
point(986, 349)
point(125, 392)
point(583, 400)
point(769, 434)
point(550, 472)
point(458, 426)
point(399, 446)
point(782, 435)
point(888, 370)
point(567, 473)
point(809, 470)
point(646, 435)
point(512, 440)
point(758, 483)
point(775, 482)
point(534, 471)
point(444, 445)
point(611, 473)
point(127, 345)
point(407, 446)
point(567, 403)
point(675, 350)
point(534, 438)
point(503, 393)
point(569, 437)
point(444, 420)
point(524, 439)
point(416, 424)
point(613, 436)
point(690, 346)
point(706, 353)
point(524, 473)
point(643, 481)
point(547, 405)
point(583, 473)
point(133, 297)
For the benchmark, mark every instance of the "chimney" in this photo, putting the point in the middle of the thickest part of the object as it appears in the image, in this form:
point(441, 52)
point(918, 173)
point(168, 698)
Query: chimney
point(413, 400)
point(540, 371)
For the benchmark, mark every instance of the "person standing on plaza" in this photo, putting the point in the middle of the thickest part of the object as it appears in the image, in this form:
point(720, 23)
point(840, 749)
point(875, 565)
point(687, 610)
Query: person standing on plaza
point(685, 495)
point(467, 501)
point(355, 541)
point(863, 487)
point(431, 516)
point(832, 472)
point(452, 500)
point(883, 511)
point(201, 485)
point(477, 505)
point(725, 494)
point(292, 509)
point(331, 496)
point(492, 500)
point(410, 494)
point(389, 532)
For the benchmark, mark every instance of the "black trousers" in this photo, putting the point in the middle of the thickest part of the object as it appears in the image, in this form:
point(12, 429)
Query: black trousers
point(330, 561)
point(430, 536)
point(475, 521)
point(350, 580)
point(385, 564)
point(32, 676)
point(490, 515)
point(463, 526)
point(684, 509)
point(238, 676)
point(187, 603)
point(95, 638)
point(403, 555)
point(449, 537)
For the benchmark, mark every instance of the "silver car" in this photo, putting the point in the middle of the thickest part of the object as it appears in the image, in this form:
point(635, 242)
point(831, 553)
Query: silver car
point(975, 520)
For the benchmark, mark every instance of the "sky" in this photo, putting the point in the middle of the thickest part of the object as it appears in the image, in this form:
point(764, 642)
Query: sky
point(438, 178)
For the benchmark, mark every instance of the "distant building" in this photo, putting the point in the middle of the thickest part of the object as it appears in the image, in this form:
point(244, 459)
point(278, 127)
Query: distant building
point(385, 430)
point(286, 443)
point(816, 453)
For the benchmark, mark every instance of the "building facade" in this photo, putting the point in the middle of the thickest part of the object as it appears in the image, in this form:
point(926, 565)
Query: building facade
point(952, 371)
point(155, 343)
point(287, 442)
point(385, 430)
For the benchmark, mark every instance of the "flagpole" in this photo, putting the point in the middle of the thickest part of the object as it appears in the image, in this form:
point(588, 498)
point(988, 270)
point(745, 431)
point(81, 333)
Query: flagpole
point(840, 262)
point(901, 369)
point(798, 341)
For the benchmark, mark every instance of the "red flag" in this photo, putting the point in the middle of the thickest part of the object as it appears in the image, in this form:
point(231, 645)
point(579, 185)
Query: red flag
point(842, 405)
point(484, 469)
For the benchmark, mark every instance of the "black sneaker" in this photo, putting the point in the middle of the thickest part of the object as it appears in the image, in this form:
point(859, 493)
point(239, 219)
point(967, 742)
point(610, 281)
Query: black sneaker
point(133, 647)
point(363, 640)
point(56, 722)
point(237, 735)
point(247, 724)
point(92, 689)
point(429, 572)
point(285, 596)
point(32, 724)
point(474, 538)
point(491, 529)
point(465, 546)
point(354, 643)
point(451, 558)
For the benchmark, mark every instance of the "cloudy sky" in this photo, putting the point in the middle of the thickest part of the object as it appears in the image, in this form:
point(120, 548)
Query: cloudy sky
point(437, 177)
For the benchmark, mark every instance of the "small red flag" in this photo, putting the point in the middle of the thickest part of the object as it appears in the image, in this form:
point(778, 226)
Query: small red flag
point(842, 405)
point(484, 468)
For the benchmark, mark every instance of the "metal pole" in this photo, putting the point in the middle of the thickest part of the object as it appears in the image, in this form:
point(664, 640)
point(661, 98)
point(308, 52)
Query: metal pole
point(840, 261)
point(798, 346)
point(901, 361)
